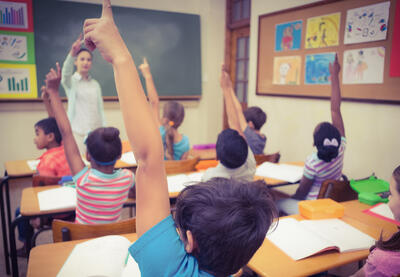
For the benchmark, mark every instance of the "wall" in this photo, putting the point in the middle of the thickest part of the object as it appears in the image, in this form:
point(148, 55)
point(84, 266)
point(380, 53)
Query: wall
point(203, 118)
point(371, 129)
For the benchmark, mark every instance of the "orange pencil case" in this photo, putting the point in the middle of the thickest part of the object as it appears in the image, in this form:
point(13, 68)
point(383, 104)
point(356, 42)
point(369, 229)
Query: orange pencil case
point(321, 209)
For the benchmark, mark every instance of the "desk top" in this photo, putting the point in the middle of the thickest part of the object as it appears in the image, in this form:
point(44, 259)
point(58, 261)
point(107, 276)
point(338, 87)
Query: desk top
point(269, 260)
point(47, 259)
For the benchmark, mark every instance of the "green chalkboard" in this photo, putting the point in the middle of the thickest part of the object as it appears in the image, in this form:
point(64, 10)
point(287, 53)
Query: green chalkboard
point(170, 41)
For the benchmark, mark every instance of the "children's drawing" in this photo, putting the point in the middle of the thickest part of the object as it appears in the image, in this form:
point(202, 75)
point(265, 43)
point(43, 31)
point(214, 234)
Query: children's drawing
point(364, 66)
point(317, 68)
point(287, 70)
point(368, 23)
point(288, 35)
point(323, 31)
point(13, 48)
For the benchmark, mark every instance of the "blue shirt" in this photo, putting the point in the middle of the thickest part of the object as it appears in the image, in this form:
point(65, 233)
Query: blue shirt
point(180, 148)
point(255, 141)
point(160, 252)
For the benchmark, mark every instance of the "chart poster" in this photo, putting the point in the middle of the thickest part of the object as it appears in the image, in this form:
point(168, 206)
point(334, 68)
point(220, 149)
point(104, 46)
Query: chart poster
point(322, 31)
point(363, 66)
point(17, 47)
point(18, 81)
point(16, 15)
point(287, 70)
point(317, 68)
point(288, 35)
point(368, 23)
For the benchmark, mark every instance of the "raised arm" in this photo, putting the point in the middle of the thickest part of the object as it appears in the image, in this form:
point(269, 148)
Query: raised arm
point(74, 158)
point(68, 65)
point(151, 89)
point(46, 100)
point(336, 98)
point(152, 200)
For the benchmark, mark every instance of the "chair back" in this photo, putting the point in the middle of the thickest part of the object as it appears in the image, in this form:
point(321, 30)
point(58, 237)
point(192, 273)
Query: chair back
point(42, 180)
point(273, 158)
point(338, 190)
point(66, 230)
point(182, 166)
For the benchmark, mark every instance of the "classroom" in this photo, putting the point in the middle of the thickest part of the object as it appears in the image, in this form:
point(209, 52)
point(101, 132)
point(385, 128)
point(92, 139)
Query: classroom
point(371, 132)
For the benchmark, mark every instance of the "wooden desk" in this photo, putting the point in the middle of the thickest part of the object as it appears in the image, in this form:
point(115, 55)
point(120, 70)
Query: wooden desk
point(204, 154)
point(47, 259)
point(269, 260)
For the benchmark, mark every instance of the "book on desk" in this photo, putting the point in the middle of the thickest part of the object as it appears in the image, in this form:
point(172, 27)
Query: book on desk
point(285, 172)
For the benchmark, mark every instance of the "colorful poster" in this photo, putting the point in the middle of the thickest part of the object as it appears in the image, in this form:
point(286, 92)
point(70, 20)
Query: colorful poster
point(323, 31)
point(16, 15)
point(368, 23)
point(317, 68)
point(18, 81)
point(17, 47)
point(288, 35)
point(287, 70)
point(363, 66)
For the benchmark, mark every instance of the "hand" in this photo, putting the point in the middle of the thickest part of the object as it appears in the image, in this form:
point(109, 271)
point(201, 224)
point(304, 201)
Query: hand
point(53, 79)
point(76, 46)
point(45, 95)
point(145, 69)
point(334, 68)
point(225, 80)
point(101, 33)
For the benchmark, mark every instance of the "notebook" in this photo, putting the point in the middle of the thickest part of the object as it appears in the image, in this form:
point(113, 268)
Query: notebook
point(177, 183)
point(285, 172)
point(302, 239)
point(128, 158)
point(58, 198)
point(382, 211)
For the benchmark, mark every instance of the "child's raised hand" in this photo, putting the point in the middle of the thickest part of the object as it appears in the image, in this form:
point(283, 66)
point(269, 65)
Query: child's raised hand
point(45, 94)
point(334, 68)
point(102, 33)
point(145, 68)
point(225, 80)
point(76, 46)
point(53, 79)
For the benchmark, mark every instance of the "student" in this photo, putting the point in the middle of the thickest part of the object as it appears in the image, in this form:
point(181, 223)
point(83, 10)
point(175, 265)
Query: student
point(236, 160)
point(384, 259)
point(221, 223)
point(176, 145)
point(327, 163)
point(101, 190)
point(85, 102)
point(255, 118)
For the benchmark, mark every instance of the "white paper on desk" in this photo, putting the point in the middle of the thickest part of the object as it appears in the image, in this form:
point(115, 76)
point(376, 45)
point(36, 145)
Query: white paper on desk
point(177, 183)
point(59, 198)
point(285, 172)
point(128, 158)
point(383, 210)
point(33, 164)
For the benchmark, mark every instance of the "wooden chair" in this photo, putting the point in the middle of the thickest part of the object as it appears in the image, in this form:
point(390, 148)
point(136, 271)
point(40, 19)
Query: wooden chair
point(182, 166)
point(42, 180)
point(273, 158)
point(338, 190)
point(66, 231)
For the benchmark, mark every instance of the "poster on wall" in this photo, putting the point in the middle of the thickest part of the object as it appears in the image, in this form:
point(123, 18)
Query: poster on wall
point(368, 23)
point(18, 81)
point(363, 66)
point(317, 68)
point(17, 47)
point(16, 15)
point(287, 70)
point(395, 53)
point(322, 31)
point(288, 35)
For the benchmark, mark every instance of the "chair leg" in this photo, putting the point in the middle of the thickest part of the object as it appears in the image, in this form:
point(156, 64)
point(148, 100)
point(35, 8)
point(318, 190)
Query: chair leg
point(36, 234)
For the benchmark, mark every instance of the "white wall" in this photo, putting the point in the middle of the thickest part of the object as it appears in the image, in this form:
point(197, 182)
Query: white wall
point(372, 130)
point(203, 118)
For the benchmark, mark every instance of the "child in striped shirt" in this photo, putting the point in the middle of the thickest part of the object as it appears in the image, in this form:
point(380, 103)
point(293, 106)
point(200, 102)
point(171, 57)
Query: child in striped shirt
point(327, 163)
point(101, 190)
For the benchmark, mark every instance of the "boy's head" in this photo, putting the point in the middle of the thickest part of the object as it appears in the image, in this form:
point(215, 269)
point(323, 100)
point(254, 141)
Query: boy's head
point(174, 112)
point(327, 140)
point(255, 117)
point(231, 148)
point(83, 61)
point(104, 145)
point(47, 133)
point(227, 221)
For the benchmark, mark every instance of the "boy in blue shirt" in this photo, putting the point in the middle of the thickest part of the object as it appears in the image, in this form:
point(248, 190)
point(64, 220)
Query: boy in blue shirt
point(218, 225)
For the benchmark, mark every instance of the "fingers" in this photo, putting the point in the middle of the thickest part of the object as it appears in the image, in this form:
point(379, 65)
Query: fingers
point(145, 61)
point(107, 11)
point(58, 69)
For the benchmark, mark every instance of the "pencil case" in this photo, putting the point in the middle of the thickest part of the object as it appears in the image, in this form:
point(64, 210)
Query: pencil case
point(321, 209)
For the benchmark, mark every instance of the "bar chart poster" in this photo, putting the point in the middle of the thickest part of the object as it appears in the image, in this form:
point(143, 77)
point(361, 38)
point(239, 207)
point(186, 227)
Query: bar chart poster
point(16, 15)
point(18, 81)
point(17, 47)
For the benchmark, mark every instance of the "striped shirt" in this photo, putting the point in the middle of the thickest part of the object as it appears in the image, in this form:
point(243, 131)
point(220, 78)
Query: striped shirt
point(54, 163)
point(319, 170)
point(100, 196)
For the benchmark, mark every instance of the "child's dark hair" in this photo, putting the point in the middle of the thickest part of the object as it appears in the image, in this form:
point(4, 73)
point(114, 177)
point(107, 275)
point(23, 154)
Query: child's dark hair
point(83, 49)
point(255, 115)
point(49, 125)
point(104, 144)
point(327, 139)
point(228, 220)
point(232, 149)
point(392, 244)
point(174, 112)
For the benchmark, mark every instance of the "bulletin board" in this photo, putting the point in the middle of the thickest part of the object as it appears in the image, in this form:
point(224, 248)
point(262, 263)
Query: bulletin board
point(296, 45)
